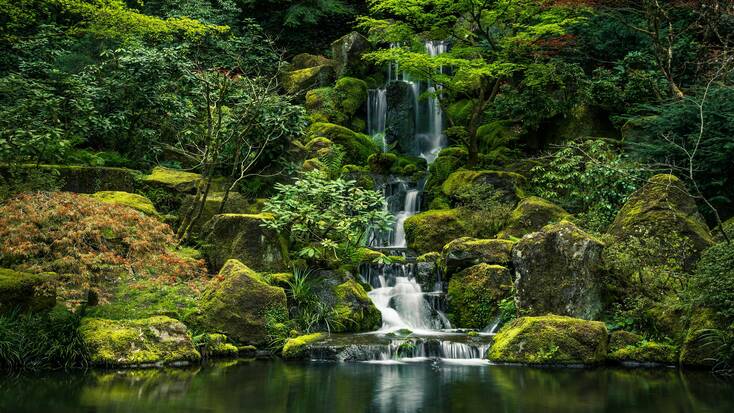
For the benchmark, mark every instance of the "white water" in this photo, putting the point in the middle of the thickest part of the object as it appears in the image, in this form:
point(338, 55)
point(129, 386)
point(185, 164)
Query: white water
point(410, 209)
point(377, 114)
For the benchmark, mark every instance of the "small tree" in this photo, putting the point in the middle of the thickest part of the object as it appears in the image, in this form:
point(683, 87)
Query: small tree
point(336, 215)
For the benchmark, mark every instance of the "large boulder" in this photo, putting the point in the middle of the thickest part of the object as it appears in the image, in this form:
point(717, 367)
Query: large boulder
point(660, 209)
point(236, 303)
point(127, 199)
point(507, 184)
point(558, 272)
point(298, 81)
point(347, 52)
point(400, 126)
point(530, 215)
point(306, 60)
point(465, 252)
point(474, 295)
point(25, 292)
point(431, 230)
point(150, 341)
point(357, 146)
point(242, 237)
point(550, 340)
point(342, 104)
point(354, 311)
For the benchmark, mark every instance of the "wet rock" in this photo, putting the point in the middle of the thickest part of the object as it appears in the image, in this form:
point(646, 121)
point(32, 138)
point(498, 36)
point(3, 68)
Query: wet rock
point(465, 252)
point(297, 347)
point(558, 271)
point(353, 309)
point(347, 52)
point(400, 124)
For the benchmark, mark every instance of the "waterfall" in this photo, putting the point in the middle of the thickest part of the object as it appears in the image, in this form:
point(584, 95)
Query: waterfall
point(376, 114)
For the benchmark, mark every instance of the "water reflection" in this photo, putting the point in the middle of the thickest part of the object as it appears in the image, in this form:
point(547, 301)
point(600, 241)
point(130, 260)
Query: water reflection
point(274, 386)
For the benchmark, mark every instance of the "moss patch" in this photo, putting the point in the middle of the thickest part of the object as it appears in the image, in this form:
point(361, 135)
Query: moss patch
point(295, 347)
point(550, 340)
point(354, 311)
point(25, 292)
point(530, 215)
point(358, 147)
point(474, 294)
point(507, 183)
point(180, 181)
point(465, 252)
point(134, 201)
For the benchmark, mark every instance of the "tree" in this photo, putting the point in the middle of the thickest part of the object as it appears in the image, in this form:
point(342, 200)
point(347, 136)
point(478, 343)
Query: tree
point(335, 215)
point(492, 42)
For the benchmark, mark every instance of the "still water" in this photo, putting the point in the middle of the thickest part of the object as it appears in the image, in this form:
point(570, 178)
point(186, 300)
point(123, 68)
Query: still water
point(275, 386)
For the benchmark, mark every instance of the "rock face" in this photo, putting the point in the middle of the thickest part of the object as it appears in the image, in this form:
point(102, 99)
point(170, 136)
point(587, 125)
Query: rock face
point(134, 201)
point(241, 237)
point(25, 292)
point(400, 124)
point(236, 303)
point(474, 294)
point(465, 252)
point(298, 81)
point(506, 183)
point(530, 215)
point(353, 310)
point(558, 272)
point(347, 52)
point(550, 340)
point(127, 343)
point(661, 208)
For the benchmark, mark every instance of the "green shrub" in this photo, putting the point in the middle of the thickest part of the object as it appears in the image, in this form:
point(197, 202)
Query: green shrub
point(712, 284)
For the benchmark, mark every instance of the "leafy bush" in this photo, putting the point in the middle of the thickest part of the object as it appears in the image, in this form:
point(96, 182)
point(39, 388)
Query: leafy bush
point(482, 203)
point(712, 284)
point(589, 179)
point(92, 241)
point(41, 341)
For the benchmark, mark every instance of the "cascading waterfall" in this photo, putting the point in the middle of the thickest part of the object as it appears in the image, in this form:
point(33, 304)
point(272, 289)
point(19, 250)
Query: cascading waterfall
point(396, 292)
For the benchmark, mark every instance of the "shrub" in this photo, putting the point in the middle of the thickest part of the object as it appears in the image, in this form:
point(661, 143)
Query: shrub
point(92, 241)
point(712, 284)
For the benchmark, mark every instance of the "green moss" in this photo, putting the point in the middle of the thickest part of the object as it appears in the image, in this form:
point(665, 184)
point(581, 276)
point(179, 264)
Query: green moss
point(460, 182)
point(530, 215)
point(154, 340)
point(216, 345)
point(550, 340)
point(386, 163)
point(429, 257)
point(460, 111)
point(646, 352)
point(465, 252)
point(312, 164)
point(694, 351)
point(26, 292)
point(300, 80)
point(474, 295)
point(354, 311)
point(358, 147)
point(174, 179)
point(365, 255)
point(134, 201)
point(431, 230)
point(352, 94)
point(306, 60)
point(295, 348)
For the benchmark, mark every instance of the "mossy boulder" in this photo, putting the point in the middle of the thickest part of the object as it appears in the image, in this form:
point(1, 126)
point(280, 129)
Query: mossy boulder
point(354, 311)
point(298, 81)
point(474, 294)
point(530, 215)
point(449, 160)
point(236, 303)
point(347, 52)
point(173, 179)
point(696, 351)
point(431, 230)
point(133, 201)
point(25, 292)
point(661, 208)
point(427, 271)
point(628, 347)
point(295, 348)
point(241, 236)
point(551, 339)
point(342, 104)
point(508, 184)
point(306, 60)
point(127, 343)
point(236, 204)
point(465, 252)
point(558, 271)
point(400, 126)
point(388, 163)
point(352, 94)
point(72, 178)
point(215, 345)
point(358, 147)
point(365, 255)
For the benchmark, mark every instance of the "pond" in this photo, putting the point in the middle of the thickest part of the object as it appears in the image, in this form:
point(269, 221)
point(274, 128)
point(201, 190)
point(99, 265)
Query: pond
point(421, 386)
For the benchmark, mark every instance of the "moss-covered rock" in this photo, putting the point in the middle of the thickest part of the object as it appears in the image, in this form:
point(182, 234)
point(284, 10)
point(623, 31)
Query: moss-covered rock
point(558, 271)
point(660, 208)
point(695, 351)
point(295, 348)
point(352, 94)
point(134, 201)
point(25, 292)
point(627, 347)
point(474, 294)
point(241, 236)
point(550, 340)
point(341, 104)
point(215, 345)
point(347, 52)
point(236, 204)
point(465, 252)
point(236, 303)
point(306, 60)
point(298, 81)
point(449, 160)
point(388, 163)
point(354, 311)
point(431, 230)
point(72, 178)
point(127, 343)
point(358, 147)
point(173, 179)
point(530, 215)
point(366, 256)
point(506, 183)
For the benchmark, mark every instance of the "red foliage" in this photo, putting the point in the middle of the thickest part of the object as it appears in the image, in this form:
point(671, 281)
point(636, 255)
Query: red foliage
point(75, 234)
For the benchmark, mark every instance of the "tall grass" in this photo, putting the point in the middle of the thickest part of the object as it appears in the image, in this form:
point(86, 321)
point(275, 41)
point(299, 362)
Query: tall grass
point(41, 341)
